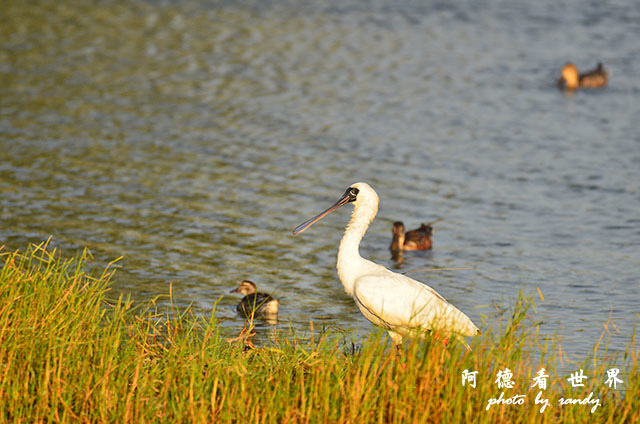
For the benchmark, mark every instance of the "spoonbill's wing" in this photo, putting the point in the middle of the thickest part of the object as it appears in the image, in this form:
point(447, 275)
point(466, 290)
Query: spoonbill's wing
point(401, 303)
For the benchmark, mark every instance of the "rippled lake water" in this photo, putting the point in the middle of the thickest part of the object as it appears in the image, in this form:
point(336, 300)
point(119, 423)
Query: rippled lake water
point(191, 138)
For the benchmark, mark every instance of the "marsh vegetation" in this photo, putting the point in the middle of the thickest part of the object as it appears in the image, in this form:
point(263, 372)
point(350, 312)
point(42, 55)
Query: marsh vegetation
point(69, 353)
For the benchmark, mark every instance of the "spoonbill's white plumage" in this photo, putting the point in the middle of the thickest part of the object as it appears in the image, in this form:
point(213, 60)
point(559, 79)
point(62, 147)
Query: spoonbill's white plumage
point(395, 302)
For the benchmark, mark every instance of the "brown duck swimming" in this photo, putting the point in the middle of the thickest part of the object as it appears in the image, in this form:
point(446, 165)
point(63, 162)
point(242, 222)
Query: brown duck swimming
point(571, 80)
point(418, 239)
point(254, 303)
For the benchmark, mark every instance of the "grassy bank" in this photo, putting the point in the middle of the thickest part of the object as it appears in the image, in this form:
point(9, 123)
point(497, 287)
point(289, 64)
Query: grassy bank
point(68, 354)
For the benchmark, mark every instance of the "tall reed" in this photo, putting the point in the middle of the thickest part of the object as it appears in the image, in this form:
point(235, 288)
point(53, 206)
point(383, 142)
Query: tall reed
point(68, 354)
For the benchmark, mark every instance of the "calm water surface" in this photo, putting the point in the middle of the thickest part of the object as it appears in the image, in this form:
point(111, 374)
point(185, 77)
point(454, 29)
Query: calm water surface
point(191, 138)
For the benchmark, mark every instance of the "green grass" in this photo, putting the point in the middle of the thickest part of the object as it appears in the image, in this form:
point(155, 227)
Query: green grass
point(68, 354)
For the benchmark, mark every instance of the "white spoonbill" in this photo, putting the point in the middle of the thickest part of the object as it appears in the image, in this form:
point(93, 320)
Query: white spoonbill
point(395, 302)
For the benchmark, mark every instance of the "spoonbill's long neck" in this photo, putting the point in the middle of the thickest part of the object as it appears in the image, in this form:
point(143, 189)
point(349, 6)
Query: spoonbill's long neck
point(349, 259)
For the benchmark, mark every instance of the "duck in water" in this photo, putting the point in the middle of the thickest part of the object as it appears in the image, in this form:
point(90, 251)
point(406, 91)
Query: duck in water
point(254, 303)
point(571, 80)
point(418, 239)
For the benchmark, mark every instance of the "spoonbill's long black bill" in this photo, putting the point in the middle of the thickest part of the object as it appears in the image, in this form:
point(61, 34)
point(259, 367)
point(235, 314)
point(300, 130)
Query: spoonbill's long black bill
point(346, 198)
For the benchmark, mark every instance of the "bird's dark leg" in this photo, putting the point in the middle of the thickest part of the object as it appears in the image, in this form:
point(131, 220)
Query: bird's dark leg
point(398, 354)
